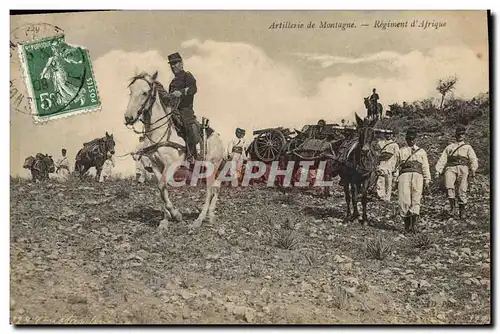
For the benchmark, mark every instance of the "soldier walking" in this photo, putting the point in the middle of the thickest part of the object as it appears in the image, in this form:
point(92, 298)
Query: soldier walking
point(237, 152)
point(62, 166)
point(388, 151)
point(414, 177)
point(456, 161)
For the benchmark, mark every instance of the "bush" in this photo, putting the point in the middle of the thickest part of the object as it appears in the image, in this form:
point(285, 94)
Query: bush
point(437, 127)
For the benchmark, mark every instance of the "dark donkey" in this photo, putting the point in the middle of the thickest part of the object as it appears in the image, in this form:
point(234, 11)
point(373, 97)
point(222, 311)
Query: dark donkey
point(94, 154)
point(40, 166)
point(357, 166)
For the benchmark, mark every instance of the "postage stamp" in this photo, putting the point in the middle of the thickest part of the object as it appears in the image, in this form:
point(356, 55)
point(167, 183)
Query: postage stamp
point(25, 33)
point(59, 79)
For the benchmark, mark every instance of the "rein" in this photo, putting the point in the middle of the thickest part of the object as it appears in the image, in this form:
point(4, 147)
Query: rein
point(147, 107)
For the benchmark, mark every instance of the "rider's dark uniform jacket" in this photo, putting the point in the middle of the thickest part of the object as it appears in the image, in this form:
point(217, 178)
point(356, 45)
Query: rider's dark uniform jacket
point(185, 120)
point(186, 84)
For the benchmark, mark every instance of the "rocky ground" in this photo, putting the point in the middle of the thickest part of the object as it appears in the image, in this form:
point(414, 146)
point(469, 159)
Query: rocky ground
point(92, 253)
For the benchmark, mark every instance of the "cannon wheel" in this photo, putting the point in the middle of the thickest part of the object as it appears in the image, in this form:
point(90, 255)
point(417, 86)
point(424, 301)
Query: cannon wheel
point(268, 145)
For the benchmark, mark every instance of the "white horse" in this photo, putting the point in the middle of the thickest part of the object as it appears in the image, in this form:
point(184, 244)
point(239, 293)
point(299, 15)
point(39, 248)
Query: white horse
point(145, 106)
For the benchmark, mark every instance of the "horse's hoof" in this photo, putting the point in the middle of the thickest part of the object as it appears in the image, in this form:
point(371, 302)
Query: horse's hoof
point(177, 215)
point(197, 224)
point(163, 225)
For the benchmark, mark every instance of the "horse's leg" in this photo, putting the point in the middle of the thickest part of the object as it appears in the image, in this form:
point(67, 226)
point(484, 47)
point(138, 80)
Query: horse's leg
point(208, 196)
point(169, 206)
point(161, 185)
point(354, 198)
point(83, 171)
point(98, 172)
point(328, 177)
point(364, 201)
point(213, 202)
point(345, 184)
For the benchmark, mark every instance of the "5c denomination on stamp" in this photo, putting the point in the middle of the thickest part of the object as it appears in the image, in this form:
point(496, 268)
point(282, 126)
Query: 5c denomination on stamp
point(59, 79)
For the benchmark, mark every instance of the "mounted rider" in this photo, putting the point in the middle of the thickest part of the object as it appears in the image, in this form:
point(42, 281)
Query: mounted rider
point(387, 159)
point(183, 86)
point(374, 99)
point(457, 160)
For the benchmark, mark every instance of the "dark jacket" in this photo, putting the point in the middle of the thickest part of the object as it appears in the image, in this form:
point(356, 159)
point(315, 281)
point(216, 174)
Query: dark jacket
point(374, 97)
point(186, 84)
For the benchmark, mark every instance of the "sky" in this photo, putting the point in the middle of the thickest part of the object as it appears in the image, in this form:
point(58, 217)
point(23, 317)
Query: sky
point(254, 77)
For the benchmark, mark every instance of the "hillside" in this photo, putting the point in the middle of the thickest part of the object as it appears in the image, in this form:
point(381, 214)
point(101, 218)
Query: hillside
point(91, 253)
point(85, 252)
point(437, 128)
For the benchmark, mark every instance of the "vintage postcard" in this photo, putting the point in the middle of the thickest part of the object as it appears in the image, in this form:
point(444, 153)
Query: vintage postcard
point(250, 167)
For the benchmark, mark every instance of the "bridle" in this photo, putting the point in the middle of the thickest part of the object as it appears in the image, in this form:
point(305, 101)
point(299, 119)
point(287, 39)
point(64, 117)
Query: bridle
point(363, 155)
point(144, 111)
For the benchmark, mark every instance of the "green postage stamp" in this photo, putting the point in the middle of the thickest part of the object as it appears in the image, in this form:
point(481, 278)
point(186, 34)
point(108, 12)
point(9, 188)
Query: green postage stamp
point(59, 79)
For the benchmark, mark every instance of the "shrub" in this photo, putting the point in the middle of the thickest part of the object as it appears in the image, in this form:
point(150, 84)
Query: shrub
point(379, 248)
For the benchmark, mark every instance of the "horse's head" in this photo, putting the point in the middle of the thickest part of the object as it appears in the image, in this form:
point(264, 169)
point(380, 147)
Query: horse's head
point(49, 163)
point(367, 103)
point(28, 162)
point(110, 143)
point(142, 96)
point(366, 132)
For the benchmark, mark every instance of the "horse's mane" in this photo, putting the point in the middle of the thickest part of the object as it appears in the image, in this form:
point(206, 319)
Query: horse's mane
point(94, 141)
point(142, 75)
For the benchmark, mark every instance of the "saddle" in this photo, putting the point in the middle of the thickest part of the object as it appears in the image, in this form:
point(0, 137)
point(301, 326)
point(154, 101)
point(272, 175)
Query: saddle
point(180, 122)
point(88, 149)
point(346, 150)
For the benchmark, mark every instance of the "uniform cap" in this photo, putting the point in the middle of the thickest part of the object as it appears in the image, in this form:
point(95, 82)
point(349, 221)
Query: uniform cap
point(174, 58)
point(411, 133)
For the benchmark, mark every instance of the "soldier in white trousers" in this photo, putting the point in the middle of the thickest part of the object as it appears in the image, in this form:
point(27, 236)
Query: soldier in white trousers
point(459, 162)
point(414, 177)
point(387, 163)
